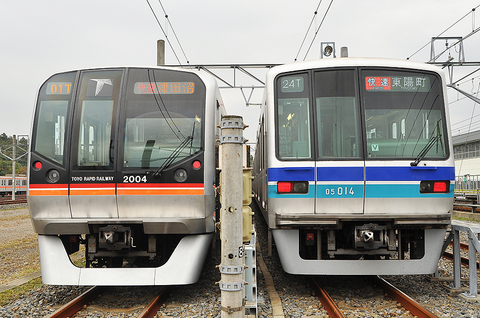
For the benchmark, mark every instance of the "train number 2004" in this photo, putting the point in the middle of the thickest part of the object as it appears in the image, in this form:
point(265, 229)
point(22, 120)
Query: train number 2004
point(134, 179)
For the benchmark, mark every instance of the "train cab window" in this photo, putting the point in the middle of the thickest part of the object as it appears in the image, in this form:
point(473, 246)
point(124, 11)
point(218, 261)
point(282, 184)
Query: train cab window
point(94, 118)
point(337, 113)
point(164, 120)
point(50, 121)
point(293, 117)
point(404, 115)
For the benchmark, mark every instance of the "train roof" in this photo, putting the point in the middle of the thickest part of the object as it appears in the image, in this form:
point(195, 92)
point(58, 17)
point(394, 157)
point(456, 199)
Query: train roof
point(352, 62)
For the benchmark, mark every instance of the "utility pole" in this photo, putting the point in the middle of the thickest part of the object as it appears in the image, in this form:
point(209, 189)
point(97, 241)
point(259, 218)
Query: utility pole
point(14, 159)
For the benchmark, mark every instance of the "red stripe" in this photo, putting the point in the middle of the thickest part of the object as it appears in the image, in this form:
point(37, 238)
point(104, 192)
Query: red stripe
point(46, 186)
point(91, 185)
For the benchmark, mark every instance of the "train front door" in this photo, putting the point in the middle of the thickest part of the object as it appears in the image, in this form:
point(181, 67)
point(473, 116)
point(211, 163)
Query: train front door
point(92, 190)
point(339, 165)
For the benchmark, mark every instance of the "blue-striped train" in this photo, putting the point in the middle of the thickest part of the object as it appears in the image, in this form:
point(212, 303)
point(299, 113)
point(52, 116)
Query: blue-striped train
point(354, 168)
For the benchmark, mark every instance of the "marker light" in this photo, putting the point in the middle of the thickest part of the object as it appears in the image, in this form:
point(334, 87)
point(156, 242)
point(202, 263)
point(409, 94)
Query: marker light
point(284, 187)
point(37, 165)
point(433, 186)
point(292, 187)
point(196, 165)
point(440, 186)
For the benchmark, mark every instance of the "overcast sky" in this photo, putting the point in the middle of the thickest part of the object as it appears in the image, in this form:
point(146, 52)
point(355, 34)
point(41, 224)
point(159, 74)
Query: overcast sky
point(39, 38)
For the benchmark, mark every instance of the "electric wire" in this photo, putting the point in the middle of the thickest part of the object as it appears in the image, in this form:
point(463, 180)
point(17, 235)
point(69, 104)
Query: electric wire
point(166, 37)
point(468, 131)
point(443, 32)
point(174, 33)
point(316, 32)
point(306, 34)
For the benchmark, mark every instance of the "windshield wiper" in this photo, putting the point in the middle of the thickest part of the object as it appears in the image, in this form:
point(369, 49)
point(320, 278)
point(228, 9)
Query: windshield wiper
point(172, 156)
point(426, 149)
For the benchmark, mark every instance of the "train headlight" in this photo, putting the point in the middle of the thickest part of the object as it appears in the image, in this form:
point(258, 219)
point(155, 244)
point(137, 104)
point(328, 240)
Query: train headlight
point(180, 175)
point(53, 176)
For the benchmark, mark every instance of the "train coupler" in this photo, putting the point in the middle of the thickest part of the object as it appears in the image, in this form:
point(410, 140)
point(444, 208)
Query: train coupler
point(371, 236)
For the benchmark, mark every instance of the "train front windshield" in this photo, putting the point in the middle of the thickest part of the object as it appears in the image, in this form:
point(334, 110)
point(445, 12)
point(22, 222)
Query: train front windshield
point(163, 121)
point(395, 114)
point(159, 114)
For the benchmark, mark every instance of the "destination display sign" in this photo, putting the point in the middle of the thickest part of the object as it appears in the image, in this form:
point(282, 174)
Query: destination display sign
point(142, 88)
point(291, 84)
point(397, 83)
point(59, 88)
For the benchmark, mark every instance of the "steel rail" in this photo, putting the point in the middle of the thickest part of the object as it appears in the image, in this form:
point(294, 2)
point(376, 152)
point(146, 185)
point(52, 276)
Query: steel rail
point(327, 301)
point(151, 310)
point(75, 305)
point(406, 301)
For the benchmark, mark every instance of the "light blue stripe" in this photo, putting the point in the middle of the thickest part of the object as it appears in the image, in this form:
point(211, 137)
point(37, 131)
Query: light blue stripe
point(401, 191)
point(337, 191)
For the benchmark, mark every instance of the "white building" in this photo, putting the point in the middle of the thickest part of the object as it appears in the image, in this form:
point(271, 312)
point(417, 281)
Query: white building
point(466, 149)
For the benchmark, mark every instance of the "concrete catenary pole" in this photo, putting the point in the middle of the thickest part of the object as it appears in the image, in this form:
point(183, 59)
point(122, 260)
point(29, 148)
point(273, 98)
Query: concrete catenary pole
point(232, 249)
point(160, 52)
point(13, 165)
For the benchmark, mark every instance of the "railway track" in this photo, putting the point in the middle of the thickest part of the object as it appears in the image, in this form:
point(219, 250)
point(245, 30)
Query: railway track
point(82, 302)
point(403, 300)
point(8, 200)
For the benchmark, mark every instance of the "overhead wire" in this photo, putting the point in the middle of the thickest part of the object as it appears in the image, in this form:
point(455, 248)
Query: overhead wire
point(174, 33)
point(306, 33)
point(316, 32)
point(164, 33)
point(443, 31)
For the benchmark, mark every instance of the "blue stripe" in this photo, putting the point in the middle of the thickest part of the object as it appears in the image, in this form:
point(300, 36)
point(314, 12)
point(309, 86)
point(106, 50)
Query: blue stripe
point(356, 173)
point(340, 174)
point(291, 174)
point(410, 173)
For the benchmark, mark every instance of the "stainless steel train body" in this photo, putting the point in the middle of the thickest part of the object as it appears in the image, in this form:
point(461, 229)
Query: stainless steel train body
point(122, 161)
point(354, 168)
point(6, 185)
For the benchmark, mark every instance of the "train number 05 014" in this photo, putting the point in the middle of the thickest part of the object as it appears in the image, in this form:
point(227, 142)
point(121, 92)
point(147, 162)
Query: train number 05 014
point(339, 191)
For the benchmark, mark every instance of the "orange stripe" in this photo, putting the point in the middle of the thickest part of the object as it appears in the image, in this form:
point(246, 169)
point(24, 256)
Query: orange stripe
point(92, 191)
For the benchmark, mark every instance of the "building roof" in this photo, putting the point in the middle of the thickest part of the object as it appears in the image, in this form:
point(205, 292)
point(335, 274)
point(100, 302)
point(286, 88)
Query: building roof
point(466, 138)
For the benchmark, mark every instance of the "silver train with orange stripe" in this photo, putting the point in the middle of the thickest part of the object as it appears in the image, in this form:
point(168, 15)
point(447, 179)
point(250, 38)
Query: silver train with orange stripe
point(123, 164)
point(354, 168)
